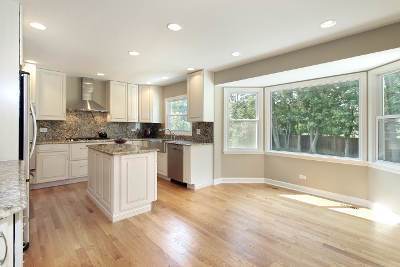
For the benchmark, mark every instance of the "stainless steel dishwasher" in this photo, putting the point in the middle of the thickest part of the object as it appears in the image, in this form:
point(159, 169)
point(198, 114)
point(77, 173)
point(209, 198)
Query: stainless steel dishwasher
point(175, 162)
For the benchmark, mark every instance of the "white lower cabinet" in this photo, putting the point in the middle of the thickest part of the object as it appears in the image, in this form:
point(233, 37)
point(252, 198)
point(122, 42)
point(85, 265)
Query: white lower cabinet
point(6, 241)
point(162, 164)
point(51, 163)
point(198, 165)
point(11, 253)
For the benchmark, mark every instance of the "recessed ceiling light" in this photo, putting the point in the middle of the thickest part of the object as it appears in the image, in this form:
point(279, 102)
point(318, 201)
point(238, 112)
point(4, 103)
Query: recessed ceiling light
point(236, 54)
point(328, 24)
point(148, 82)
point(174, 27)
point(190, 69)
point(100, 74)
point(134, 53)
point(165, 78)
point(30, 61)
point(38, 26)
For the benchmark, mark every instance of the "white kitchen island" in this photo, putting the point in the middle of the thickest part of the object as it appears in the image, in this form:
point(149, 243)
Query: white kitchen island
point(122, 179)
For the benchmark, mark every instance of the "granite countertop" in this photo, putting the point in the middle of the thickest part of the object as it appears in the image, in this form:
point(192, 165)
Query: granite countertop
point(178, 142)
point(108, 140)
point(186, 143)
point(13, 194)
point(121, 149)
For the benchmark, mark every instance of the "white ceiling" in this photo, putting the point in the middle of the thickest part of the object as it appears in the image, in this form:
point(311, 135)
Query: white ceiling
point(84, 37)
point(339, 67)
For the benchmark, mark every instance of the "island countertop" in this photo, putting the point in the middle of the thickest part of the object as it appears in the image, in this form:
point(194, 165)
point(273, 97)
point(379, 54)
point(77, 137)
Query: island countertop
point(121, 149)
point(13, 194)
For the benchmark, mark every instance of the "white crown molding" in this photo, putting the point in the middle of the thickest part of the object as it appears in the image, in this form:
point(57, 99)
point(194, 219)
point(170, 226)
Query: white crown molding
point(299, 188)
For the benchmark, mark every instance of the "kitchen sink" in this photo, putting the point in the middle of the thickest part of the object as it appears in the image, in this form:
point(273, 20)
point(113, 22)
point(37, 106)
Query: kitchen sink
point(160, 144)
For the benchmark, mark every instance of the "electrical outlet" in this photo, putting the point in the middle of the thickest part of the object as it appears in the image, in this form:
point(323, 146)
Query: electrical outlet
point(43, 130)
point(302, 177)
point(198, 131)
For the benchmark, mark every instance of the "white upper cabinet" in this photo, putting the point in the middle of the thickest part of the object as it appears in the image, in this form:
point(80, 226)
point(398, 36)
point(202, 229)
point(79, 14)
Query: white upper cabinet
point(50, 95)
point(200, 91)
point(117, 96)
point(133, 103)
point(150, 101)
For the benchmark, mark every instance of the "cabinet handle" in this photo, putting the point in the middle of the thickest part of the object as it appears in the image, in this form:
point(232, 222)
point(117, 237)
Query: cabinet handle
point(3, 260)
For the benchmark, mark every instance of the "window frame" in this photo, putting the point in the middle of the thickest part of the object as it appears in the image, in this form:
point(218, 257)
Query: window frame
point(167, 126)
point(259, 118)
point(376, 111)
point(363, 130)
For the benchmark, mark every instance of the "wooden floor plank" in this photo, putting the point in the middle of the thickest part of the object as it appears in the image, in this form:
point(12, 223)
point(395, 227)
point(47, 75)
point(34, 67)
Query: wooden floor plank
point(224, 225)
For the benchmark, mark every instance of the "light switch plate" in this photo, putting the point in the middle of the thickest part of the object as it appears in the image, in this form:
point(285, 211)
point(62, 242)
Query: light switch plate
point(198, 131)
point(43, 130)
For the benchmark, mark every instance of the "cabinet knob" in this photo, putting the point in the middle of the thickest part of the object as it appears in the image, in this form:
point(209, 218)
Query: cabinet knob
point(3, 237)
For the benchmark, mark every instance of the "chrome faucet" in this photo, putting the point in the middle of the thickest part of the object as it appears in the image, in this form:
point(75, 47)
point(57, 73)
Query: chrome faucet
point(171, 133)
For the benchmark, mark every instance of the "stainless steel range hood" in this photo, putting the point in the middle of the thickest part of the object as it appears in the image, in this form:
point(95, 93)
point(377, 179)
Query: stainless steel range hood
point(87, 103)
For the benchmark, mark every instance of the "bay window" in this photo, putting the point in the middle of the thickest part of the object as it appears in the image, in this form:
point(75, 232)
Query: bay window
point(385, 115)
point(243, 120)
point(176, 117)
point(320, 117)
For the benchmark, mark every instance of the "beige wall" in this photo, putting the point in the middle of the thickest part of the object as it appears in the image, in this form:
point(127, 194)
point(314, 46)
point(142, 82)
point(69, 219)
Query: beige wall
point(172, 90)
point(384, 188)
point(339, 178)
point(351, 180)
point(359, 44)
point(74, 92)
point(228, 165)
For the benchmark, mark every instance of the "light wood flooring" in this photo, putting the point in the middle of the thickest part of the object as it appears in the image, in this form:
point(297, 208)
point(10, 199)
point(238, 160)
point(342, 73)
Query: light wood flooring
point(223, 225)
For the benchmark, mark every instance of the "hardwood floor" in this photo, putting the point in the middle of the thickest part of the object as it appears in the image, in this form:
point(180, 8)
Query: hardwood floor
point(224, 225)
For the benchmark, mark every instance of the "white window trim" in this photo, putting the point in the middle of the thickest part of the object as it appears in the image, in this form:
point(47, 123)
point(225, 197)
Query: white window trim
point(375, 102)
point(260, 126)
point(363, 143)
point(174, 98)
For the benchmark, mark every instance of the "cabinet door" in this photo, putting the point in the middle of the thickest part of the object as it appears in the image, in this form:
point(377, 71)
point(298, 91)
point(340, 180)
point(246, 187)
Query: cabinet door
point(51, 166)
point(138, 180)
point(145, 104)
point(156, 104)
point(50, 95)
point(6, 241)
point(195, 87)
point(92, 171)
point(78, 168)
point(162, 163)
point(117, 101)
point(133, 103)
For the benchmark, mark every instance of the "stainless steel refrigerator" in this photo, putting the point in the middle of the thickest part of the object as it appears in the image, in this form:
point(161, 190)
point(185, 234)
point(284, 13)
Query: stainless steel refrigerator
point(27, 140)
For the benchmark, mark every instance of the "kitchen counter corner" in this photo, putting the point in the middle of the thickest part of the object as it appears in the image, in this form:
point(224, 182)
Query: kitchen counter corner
point(13, 194)
point(121, 149)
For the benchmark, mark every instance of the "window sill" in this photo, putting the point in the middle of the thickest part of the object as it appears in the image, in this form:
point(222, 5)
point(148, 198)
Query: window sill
point(322, 158)
point(243, 152)
point(385, 166)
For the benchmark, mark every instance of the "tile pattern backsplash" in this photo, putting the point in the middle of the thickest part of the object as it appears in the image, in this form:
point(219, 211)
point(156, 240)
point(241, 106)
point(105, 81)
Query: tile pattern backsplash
point(88, 124)
point(206, 132)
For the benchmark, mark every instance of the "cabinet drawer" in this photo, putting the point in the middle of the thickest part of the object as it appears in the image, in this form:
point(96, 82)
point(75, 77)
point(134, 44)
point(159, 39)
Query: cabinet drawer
point(52, 148)
point(78, 168)
point(51, 166)
point(78, 151)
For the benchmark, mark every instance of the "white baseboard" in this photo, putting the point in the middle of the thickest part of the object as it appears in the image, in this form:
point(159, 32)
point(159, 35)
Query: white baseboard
point(239, 181)
point(120, 215)
point(163, 177)
point(299, 188)
point(127, 214)
point(57, 183)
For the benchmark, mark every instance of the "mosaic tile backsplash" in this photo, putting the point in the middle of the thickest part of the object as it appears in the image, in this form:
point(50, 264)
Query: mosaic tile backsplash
point(88, 124)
